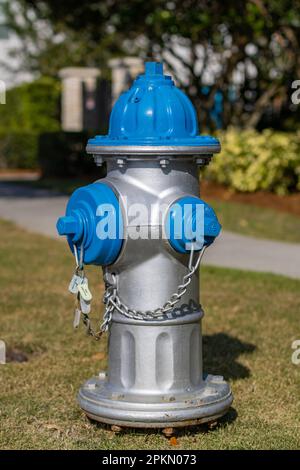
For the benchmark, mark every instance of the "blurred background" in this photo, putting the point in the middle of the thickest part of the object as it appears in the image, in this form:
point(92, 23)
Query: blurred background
point(65, 63)
point(62, 66)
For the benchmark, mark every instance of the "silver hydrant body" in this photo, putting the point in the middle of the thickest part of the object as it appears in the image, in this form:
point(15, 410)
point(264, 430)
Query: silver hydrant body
point(153, 315)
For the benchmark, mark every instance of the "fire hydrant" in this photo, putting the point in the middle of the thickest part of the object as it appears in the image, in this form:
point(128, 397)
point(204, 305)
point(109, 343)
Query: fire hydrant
point(145, 224)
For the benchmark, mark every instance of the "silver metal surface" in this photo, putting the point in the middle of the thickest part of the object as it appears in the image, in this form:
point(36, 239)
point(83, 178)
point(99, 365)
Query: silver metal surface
point(194, 407)
point(153, 149)
point(155, 375)
point(113, 301)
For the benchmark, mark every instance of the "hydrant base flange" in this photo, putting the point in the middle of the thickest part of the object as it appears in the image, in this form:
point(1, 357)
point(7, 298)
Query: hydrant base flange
point(208, 403)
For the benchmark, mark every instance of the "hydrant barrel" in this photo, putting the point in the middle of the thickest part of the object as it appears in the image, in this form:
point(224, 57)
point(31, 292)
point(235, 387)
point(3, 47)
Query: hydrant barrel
point(146, 226)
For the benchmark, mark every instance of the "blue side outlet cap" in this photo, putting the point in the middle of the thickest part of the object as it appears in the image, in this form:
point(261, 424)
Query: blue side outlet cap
point(191, 221)
point(93, 221)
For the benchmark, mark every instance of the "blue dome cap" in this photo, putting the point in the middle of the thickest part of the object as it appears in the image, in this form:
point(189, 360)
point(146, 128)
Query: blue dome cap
point(153, 109)
point(153, 112)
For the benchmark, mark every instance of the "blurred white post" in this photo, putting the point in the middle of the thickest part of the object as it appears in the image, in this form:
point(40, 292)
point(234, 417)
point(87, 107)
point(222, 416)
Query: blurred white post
point(2, 92)
point(123, 72)
point(72, 95)
point(2, 352)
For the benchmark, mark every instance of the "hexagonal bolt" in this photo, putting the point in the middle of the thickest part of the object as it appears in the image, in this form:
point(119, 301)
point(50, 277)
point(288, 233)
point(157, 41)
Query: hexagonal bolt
point(168, 432)
point(200, 161)
point(116, 429)
point(212, 424)
point(90, 386)
point(66, 225)
point(121, 162)
point(217, 379)
point(164, 162)
point(153, 68)
point(98, 160)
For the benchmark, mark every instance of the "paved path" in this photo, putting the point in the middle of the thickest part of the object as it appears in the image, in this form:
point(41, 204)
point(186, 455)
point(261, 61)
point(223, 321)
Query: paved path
point(34, 209)
point(38, 209)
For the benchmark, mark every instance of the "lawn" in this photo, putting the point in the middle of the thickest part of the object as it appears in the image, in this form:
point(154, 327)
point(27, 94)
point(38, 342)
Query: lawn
point(251, 320)
point(261, 222)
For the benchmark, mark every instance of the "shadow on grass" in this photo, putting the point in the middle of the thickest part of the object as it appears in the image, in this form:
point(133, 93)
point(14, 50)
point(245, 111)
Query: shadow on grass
point(221, 353)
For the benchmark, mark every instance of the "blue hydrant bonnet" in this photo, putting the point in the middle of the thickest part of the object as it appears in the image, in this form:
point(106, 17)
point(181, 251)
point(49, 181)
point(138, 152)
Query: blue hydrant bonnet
point(153, 116)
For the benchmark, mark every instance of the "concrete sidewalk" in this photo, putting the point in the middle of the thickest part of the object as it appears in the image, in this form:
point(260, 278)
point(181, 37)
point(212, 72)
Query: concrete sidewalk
point(38, 209)
point(34, 209)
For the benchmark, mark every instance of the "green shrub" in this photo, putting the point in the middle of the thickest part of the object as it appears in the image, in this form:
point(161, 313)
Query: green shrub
point(32, 107)
point(57, 154)
point(252, 161)
point(19, 150)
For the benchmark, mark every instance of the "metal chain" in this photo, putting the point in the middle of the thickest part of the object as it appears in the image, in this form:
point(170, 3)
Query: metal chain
point(113, 301)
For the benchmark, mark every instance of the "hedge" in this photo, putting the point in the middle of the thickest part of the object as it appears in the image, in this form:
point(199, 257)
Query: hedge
point(252, 161)
point(19, 150)
point(32, 107)
point(57, 154)
point(30, 135)
point(62, 154)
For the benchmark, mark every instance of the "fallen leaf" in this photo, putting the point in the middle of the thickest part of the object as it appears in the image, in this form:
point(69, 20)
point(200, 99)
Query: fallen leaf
point(98, 356)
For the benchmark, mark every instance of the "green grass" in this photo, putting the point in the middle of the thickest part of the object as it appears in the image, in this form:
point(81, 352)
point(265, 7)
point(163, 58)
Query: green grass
point(247, 219)
point(251, 320)
point(261, 222)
